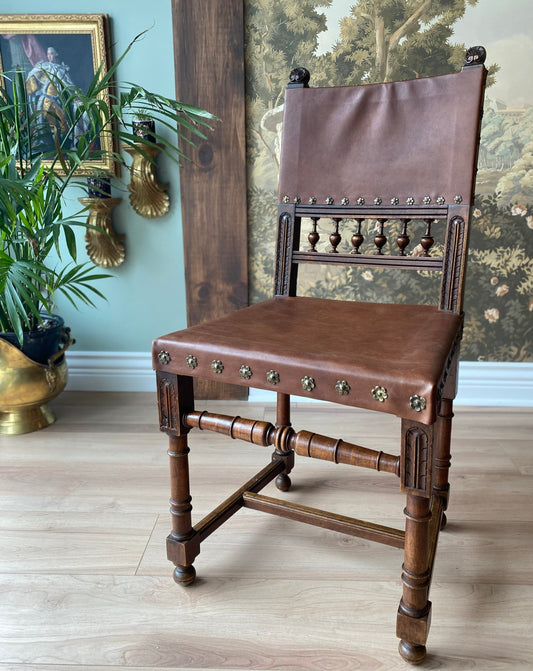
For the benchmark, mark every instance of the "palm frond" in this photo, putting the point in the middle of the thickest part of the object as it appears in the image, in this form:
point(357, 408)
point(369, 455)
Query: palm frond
point(41, 155)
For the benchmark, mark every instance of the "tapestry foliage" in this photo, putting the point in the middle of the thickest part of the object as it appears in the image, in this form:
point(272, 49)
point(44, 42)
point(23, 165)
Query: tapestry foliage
point(389, 40)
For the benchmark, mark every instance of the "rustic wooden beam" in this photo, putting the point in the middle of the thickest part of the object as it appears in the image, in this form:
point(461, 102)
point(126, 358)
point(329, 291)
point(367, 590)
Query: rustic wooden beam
point(209, 67)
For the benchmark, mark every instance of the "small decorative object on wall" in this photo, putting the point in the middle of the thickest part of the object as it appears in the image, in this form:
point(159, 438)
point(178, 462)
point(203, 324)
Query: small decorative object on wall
point(104, 246)
point(67, 49)
point(147, 194)
point(144, 128)
point(99, 185)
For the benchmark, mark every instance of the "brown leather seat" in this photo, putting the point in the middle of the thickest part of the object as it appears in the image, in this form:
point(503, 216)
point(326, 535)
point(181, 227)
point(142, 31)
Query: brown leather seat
point(326, 341)
point(402, 153)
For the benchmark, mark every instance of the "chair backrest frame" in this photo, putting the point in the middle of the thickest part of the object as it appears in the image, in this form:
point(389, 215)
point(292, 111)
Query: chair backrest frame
point(456, 215)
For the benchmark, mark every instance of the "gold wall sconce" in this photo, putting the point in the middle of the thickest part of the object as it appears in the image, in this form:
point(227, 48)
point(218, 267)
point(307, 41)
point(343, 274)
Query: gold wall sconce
point(147, 194)
point(104, 246)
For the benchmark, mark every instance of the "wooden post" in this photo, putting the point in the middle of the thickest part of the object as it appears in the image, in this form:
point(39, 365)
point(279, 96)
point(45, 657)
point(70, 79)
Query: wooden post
point(283, 418)
point(441, 486)
point(209, 66)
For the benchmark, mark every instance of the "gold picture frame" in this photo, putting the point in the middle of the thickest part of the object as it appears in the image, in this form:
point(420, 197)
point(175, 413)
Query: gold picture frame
point(80, 42)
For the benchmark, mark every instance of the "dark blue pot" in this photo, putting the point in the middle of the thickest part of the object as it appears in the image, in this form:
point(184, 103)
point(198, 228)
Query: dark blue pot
point(45, 341)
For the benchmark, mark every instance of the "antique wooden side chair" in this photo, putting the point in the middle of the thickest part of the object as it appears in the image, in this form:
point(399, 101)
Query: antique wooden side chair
point(399, 154)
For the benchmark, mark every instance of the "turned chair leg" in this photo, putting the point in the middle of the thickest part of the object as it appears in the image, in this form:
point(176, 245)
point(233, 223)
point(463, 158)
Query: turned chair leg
point(175, 398)
point(414, 612)
point(442, 455)
point(283, 418)
point(180, 551)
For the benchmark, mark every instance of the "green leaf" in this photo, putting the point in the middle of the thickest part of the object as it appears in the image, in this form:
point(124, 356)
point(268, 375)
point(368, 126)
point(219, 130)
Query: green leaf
point(70, 240)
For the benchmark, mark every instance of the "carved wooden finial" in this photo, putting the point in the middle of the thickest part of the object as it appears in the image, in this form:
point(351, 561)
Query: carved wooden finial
point(299, 78)
point(475, 56)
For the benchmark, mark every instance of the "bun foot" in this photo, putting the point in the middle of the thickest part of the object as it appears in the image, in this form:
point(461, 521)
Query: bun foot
point(283, 482)
point(184, 575)
point(414, 654)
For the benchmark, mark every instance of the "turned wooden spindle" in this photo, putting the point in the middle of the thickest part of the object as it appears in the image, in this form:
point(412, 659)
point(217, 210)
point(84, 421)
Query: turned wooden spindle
point(283, 418)
point(426, 240)
point(335, 237)
point(314, 235)
point(380, 239)
point(252, 431)
point(357, 238)
point(317, 446)
point(403, 239)
point(286, 439)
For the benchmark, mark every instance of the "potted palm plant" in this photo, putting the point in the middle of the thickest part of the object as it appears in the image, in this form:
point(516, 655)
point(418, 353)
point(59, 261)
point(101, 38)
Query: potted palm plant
point(40, 157)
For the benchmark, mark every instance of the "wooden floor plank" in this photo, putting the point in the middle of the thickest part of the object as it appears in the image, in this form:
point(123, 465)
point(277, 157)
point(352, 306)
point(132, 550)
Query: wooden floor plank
point(85, 584)
point(243, 623)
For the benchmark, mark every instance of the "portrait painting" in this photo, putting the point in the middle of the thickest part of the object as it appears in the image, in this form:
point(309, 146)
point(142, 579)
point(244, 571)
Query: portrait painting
point(52, 52)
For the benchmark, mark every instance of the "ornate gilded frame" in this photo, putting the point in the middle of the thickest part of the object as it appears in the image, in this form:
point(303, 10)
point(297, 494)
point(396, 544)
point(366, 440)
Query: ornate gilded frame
point(82, 41)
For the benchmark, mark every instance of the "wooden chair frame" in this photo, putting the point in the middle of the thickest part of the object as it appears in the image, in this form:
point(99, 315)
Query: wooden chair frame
point(423, 464)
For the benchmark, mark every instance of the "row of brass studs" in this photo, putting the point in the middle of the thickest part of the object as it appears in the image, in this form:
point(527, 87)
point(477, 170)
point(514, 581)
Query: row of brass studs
point(272, 376)
point(377, 201)
point(379, 393)
point(416, 402)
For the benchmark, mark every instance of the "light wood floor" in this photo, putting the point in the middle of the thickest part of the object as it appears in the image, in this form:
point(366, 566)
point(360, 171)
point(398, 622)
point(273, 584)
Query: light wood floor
point(85, 583)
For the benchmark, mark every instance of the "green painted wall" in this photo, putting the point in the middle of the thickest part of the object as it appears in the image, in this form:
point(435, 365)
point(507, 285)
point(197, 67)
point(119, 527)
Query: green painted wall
point(146, 296)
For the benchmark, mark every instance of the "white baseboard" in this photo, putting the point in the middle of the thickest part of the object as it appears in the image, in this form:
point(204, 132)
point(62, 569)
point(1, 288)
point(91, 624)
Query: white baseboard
point(495, 383)
point(110, 371)
point(480, 383)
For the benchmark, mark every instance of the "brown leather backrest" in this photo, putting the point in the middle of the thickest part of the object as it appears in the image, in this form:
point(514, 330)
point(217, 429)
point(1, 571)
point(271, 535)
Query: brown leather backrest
point(411, 139)
point(384, 153)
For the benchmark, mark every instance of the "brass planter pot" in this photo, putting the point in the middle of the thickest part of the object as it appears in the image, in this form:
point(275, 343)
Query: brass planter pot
point(26, 386)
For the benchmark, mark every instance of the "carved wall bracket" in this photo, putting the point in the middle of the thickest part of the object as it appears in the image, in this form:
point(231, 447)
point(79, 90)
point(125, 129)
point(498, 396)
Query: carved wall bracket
point(104, 246)
point(147, 194)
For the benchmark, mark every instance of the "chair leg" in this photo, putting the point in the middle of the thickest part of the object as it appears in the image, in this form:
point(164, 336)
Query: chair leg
point(175, 398)
point(283, 418)
point(442, 454)
point(180, 551)
point(414, 612)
